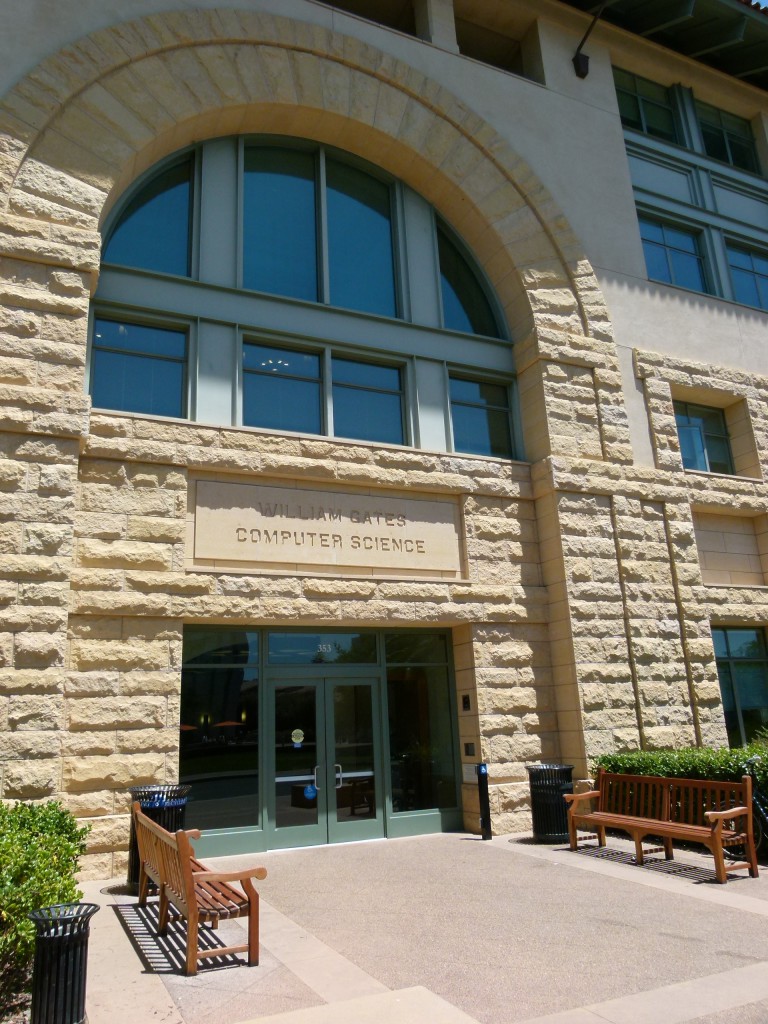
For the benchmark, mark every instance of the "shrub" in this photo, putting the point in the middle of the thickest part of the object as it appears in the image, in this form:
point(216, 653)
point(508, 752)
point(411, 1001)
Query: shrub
point(690, 763)
point(39, 850)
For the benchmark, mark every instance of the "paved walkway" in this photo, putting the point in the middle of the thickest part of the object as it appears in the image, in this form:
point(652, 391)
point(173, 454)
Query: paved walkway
point(448, 929)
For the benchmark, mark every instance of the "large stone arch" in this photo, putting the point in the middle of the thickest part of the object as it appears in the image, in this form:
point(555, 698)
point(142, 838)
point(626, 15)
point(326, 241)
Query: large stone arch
point(81, 126)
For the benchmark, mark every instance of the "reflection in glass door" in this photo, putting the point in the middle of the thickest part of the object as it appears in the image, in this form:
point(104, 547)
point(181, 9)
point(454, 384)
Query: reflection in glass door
point(326, 762)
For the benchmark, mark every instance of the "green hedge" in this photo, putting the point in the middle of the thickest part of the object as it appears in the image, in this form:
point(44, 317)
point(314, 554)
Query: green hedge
point(40, 846)
point(690, 763)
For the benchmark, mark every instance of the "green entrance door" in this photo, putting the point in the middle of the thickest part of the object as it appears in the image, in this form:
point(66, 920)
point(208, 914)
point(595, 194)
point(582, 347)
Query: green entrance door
point(323, 761)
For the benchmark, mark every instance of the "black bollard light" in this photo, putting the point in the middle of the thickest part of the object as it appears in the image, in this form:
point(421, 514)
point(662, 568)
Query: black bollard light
point(485, 802)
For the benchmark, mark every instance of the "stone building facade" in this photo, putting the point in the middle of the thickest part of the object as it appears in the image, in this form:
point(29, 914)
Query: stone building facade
point(585, 589)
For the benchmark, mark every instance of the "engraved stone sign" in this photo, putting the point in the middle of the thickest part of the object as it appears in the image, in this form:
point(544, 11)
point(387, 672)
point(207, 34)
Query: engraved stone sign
point(290, 526)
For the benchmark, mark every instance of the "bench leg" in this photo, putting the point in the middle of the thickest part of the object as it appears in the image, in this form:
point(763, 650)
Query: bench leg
point(253, 931)
point(572, 837)
point(143, 886)
point(163, 911)
point(720, 872)
point(639, 857)
point(600, 835)
point(669, 853)
point(192, 929)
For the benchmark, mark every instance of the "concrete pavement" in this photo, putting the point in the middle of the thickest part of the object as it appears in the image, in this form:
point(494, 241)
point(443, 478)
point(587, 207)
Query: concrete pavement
point(452, 930)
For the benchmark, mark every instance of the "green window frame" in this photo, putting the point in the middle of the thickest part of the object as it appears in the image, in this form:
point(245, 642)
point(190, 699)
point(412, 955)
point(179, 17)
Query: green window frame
point(324, 392)
point(749, 276)
point(727, 138)
point(742, 665)
point(673, 255)
point(645, 106)
point(704, 440)
point(481, 417)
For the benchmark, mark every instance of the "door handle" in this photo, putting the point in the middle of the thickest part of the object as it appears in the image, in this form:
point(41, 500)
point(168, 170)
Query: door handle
point(314, 776)
point(339, 776)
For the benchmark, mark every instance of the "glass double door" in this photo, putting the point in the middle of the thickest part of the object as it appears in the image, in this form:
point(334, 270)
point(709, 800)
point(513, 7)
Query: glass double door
point(324, 762)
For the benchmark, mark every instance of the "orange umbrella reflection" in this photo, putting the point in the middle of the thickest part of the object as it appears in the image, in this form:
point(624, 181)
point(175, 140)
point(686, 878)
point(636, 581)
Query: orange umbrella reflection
point(188, 728)
point(219, 725)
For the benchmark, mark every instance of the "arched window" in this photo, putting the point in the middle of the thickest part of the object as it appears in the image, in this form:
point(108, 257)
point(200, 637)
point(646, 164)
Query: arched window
point(286, 286)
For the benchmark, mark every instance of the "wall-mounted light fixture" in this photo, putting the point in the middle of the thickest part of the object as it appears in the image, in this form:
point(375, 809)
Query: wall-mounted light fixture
point(581, 60)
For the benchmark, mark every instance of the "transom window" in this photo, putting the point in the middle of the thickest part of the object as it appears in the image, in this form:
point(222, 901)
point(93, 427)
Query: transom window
point(672, 255)
point(742, 665)
point(286, 286)
point(703, 434)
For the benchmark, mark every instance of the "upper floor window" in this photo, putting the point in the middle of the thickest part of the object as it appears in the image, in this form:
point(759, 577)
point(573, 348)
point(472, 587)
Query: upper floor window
point(749, 276)
point(727, 138)
point(703, 434)
point(672, 255)
point(645, 106)
point(742, 665)
point(289, 286)
point(480, 416)
point(138, 368)
point(153, 231)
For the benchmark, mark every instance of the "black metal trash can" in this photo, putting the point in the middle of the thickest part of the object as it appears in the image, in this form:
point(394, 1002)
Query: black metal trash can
point(167, 806)
point(61, 959)
point(548, 783)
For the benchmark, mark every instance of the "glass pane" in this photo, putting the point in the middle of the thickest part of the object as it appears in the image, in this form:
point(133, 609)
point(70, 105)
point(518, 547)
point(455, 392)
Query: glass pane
point(739, 258)
point(736, 126)
point(650, 231)
point(420, 739)
point(153, 231)
point(321, 649)
point(140, 339)
point(660, 122)
point(692, 447)
point(353, 761)
point(652, 91)
point(415, 648)
point(219, 746)
point(204, 646)
point(714, 143)
point(481, 431)
point(369, 375)
point(682, 240)
point(296, 754)
point(712, 420)
point(762, 284)
point(623, 79)
point(745, 287)
point(281, 361)
point(478, 392)
point(742, 154)
point(361, 263)
point(751, 681)
point(629, 109)
point(732, 723)
point(280, 403)
point(279, 231)
point(686, 271)
point(745, 643)
point(760, 263)
point(656, 262)
point(465, 307)
point(721, 646)
point(138, 384)
point(367, 415)
point(719, 455)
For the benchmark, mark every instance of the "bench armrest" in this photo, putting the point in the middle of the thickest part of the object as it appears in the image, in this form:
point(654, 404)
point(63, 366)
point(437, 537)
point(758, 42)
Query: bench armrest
point(734, 812)
point(229, 876)
point(576, 798)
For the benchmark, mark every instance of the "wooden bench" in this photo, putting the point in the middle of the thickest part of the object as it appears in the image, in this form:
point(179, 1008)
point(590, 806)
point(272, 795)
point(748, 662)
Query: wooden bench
point(695, 810)
point(195, 891)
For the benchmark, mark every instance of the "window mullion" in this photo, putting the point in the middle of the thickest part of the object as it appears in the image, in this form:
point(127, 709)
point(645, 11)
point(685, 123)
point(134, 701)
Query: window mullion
point(323, 262)
point(328, 391)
